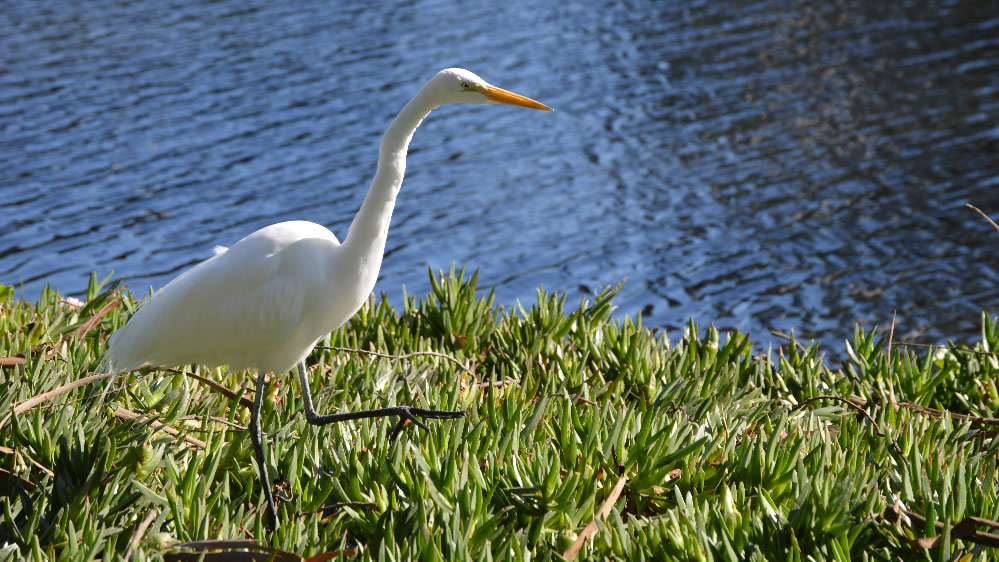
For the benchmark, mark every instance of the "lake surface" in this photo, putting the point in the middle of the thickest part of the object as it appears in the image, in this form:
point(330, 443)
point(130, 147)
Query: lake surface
point(769, 165)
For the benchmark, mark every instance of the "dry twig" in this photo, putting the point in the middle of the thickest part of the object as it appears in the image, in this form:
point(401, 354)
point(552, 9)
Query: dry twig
point(963, 529)
point(591, 527)
point(34, 401)
point(139, 532)
point(43, 468)
point(398, 357)
point(229, 550)
point(980, 212)
point(129, 415)
point(863, 412)
point(937, 413)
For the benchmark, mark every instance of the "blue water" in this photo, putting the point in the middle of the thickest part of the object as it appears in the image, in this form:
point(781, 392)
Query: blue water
point(768, 165)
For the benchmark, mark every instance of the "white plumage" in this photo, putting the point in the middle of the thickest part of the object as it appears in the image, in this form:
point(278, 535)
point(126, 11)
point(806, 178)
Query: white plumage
point(246, 307)
point(264, 303)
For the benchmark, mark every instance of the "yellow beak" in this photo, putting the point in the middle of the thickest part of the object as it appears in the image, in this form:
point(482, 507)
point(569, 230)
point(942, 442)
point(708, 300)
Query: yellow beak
point(499, 95)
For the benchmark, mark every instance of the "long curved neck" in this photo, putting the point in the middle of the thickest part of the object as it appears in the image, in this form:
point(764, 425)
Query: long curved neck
point(365, 242)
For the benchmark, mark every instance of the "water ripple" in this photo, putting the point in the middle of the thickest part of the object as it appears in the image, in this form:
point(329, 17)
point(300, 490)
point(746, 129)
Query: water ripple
point(760, 165)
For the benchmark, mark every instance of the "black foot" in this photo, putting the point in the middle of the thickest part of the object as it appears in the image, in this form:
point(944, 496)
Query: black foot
point(407, 413)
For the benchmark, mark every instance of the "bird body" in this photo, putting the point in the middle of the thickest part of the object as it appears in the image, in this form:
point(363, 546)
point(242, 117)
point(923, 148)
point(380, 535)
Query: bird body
point(250, 307)
point(265, 302)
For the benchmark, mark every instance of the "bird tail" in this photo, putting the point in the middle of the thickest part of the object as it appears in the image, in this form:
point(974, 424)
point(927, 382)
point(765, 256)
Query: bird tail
point(124, 352)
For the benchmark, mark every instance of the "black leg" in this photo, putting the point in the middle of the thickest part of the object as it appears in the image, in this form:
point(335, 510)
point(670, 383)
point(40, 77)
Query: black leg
point(257, 437)
point(404, 412)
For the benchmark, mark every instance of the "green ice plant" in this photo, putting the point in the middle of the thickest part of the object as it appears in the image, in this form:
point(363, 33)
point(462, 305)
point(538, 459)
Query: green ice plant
point(727, 450)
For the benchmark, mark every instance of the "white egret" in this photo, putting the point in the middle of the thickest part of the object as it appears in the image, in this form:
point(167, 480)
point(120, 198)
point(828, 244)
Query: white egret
point(264, 303)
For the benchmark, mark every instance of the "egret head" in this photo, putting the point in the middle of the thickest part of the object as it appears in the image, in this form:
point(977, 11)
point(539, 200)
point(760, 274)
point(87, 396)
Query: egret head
point(457, 85)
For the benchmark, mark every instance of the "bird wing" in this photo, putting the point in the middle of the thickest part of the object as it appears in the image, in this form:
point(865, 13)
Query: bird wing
point(238, 308)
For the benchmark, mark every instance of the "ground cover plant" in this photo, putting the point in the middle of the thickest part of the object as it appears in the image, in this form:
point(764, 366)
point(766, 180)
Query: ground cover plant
point(588, 437)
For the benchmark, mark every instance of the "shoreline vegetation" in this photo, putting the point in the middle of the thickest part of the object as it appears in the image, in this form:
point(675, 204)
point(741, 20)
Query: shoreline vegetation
point(588, 438)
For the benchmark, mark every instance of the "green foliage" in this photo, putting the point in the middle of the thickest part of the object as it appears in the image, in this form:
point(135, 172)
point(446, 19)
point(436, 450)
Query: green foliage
point(730, 452)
